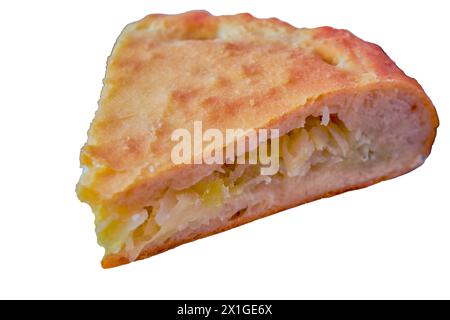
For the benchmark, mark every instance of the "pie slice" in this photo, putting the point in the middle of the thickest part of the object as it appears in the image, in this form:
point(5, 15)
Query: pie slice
point(345, 116)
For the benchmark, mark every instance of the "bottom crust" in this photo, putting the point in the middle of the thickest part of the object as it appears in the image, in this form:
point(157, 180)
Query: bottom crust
point(112, 261)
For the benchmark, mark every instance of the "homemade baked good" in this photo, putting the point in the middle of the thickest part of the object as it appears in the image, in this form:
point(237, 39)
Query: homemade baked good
point(347, 116)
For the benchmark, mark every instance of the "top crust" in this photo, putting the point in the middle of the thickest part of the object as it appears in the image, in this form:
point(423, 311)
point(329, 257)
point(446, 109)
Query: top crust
point(167, 71)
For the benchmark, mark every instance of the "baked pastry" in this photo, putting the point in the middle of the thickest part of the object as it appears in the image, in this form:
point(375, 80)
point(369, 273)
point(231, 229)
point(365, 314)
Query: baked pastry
point(346, 115)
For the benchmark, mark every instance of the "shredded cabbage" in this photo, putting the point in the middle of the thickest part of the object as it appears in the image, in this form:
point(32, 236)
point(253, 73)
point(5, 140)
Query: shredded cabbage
point(321, 140)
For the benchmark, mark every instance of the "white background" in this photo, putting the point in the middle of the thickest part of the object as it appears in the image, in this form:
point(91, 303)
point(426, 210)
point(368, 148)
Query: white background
point(391, 240)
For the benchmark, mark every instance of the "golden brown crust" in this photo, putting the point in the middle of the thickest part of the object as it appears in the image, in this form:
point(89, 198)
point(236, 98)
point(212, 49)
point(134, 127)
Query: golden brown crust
point(161, 69)
point(167, 71)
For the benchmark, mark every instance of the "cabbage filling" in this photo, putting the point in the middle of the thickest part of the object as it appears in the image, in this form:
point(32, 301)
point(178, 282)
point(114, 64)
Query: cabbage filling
point(321, 141)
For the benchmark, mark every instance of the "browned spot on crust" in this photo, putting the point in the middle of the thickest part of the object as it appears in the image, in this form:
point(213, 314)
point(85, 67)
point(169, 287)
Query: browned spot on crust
point(252, 69)
point(234, 49)
point(184, 96)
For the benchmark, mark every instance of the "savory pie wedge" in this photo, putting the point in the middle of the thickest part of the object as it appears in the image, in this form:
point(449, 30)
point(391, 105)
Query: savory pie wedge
point(346, 115)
